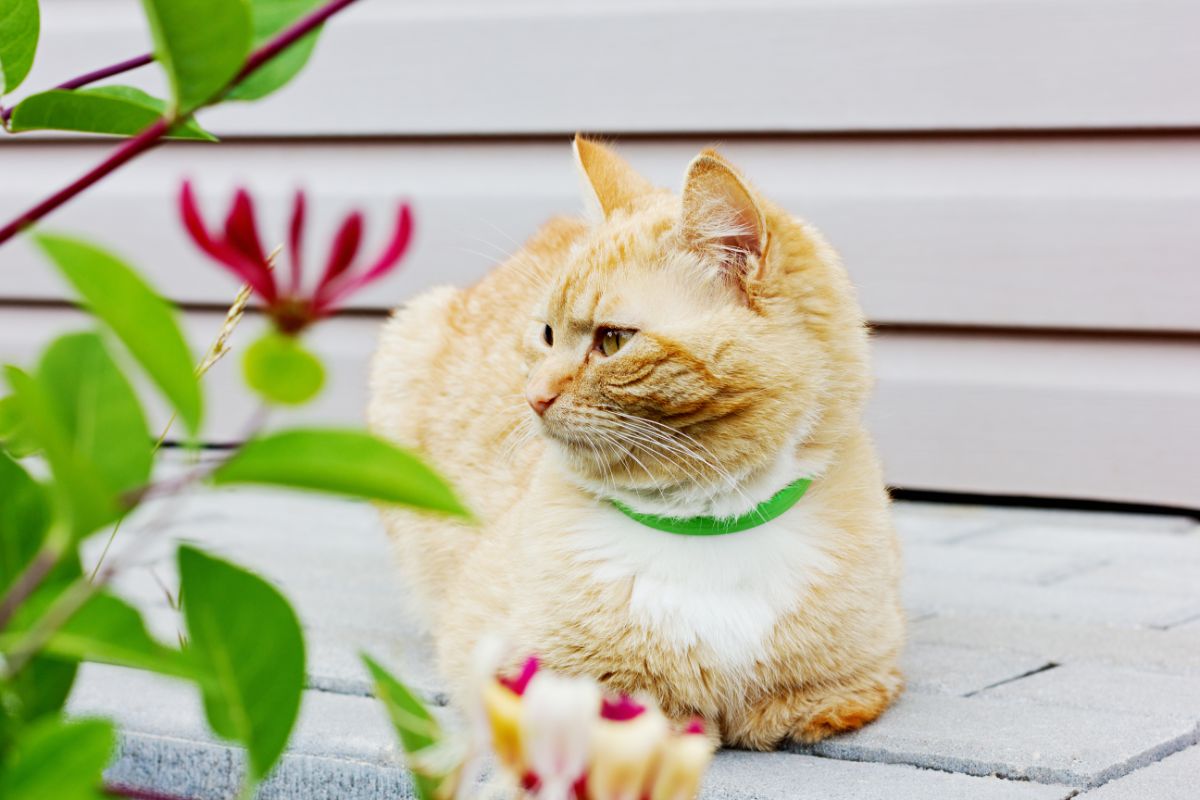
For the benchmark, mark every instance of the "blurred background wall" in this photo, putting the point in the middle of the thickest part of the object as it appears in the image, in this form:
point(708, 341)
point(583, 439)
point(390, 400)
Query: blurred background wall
point(1014, 185)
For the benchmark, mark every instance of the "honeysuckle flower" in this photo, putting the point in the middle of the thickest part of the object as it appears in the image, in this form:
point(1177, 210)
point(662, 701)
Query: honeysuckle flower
point(239, 249)
point(682, 763)
point(621, 709)
point(502, 705)
point(557, 715)
point(625, 752)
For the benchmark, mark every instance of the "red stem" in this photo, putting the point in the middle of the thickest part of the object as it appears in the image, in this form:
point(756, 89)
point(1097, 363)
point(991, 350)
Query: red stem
point(126, 152)
point(95, 75)
point(153, 135)
point(107, 72)
point(298, 30)
point(120, 790)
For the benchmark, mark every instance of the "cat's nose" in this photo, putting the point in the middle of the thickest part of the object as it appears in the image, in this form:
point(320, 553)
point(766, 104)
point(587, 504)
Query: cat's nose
point(540, 401)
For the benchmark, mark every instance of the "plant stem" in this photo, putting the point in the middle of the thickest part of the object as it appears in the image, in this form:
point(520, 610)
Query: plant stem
point(120, 790)
point(153, 135)
point(27, 583)
point(126, 152)
point(107, 72)
point(288, 37)
point(95, 75)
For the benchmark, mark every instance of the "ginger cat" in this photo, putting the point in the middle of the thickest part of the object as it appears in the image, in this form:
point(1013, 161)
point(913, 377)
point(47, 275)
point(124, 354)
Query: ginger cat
point(688, 357)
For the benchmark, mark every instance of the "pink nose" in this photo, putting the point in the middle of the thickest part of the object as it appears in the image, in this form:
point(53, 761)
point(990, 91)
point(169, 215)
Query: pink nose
point(539, 402)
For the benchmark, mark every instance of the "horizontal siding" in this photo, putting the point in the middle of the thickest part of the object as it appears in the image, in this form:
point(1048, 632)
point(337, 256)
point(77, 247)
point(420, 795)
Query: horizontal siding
point(1110, 418)
point(1083, 233)
point(413, 67)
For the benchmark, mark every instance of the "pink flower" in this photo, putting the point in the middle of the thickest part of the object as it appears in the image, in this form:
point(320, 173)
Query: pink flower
point(239, 249)
point(623, 709)
point(518, 683)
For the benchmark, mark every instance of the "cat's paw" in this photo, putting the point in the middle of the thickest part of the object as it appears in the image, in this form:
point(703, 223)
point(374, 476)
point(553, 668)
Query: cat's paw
point(810, 715)
point(848, 708)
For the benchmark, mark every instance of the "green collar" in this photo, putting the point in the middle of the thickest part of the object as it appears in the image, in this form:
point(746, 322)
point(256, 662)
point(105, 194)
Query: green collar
point(761, 514)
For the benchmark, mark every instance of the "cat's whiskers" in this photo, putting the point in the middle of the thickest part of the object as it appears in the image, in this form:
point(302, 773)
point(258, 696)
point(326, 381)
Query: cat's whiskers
point(629, 453)
point(646, 428)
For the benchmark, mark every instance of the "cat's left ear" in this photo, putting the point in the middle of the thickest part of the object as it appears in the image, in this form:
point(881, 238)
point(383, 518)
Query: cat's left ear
point(721, 217)
point(610, 183)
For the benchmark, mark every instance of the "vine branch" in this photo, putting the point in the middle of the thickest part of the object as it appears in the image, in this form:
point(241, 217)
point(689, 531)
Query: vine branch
point(154, 134)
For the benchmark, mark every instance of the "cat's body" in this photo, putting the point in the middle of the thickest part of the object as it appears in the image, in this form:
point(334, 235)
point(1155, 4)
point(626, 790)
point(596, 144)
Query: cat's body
point(741, 367)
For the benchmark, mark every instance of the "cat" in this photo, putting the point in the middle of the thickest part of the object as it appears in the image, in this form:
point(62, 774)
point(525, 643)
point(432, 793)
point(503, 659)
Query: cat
point(699, 358)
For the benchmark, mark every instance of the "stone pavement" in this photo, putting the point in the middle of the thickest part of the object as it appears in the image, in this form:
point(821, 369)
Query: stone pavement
point(1053, 654)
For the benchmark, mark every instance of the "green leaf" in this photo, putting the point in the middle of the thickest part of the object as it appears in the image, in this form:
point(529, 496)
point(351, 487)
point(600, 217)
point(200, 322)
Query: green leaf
point(24, 520)
point(97, 410)
point(110, 631)
point(242, 630)
point(202, 44)
point(415, 726)
point(119, 110)
point(282, 371)
point(20, 23)
point(13, 435)
point(144, 322)
point(78, 487)
point(43, 685)
point(59, 759)
point(271, 17)
point(343, 462)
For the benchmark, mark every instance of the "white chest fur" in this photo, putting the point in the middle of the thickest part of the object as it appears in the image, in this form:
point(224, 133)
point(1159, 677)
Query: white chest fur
point(723, 593)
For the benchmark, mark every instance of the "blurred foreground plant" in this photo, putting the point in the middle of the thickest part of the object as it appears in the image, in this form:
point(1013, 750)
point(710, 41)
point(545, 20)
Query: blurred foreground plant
point(76, 452)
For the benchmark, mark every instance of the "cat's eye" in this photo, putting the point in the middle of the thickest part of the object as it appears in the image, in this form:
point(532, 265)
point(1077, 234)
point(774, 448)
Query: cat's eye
point(548, 335)
point(610, 340)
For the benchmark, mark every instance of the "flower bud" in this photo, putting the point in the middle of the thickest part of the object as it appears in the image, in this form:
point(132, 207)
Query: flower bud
point(503, 709)
point(625, 754)
point(557, 719)
point(682, 765)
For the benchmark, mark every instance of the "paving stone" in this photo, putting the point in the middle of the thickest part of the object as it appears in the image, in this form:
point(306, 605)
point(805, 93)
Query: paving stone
point(963, 594)
point(788, 776)
point(1111, 688)
point(1181, 577)
point(940, 522)
point(953, 669)
point(342, 747)
point(1060, 519)
point(1173, 778)
point(1048, 744)
point(981, 619)
point(1013, 565)
point(1134, 545)
point(1175, 651)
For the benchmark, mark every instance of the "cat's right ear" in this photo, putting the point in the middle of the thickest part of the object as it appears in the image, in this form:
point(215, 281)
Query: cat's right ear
point(609, 183)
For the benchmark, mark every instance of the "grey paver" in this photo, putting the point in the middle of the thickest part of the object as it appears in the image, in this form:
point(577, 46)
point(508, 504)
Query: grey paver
point(939, 522)
point(994, 602)
point(963, 594)
point(953, 669)
point(1174, 651)
point(788, 776)
point(1176, 777)
point(1133, 545)
point(1049, 744)
point(1160, 577)
point(1105, 687)
point(1013, 565)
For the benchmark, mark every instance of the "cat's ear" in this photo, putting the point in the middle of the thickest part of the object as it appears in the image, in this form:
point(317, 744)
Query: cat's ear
point(721, 217)
point(610, 184)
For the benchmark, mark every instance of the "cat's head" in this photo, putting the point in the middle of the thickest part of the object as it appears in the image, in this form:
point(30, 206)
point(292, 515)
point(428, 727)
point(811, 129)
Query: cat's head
point(693, 340)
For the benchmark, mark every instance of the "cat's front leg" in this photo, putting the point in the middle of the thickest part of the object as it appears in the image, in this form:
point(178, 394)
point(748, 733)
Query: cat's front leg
point(811, 713)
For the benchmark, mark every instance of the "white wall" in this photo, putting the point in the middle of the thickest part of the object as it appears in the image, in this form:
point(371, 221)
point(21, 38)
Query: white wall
point(1015, 187)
